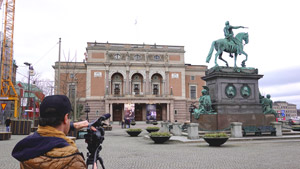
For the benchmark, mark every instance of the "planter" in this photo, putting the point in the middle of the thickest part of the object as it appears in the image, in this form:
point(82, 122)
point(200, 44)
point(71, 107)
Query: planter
point(133, 123)
point(5, 135)
point(152, 130)
point(133, 133)
point(20, 127)
point(296, 128)
point(215, 141)
point(159, 140)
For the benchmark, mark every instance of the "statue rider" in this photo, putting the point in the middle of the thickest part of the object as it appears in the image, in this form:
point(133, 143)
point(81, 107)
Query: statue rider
point(229, 36)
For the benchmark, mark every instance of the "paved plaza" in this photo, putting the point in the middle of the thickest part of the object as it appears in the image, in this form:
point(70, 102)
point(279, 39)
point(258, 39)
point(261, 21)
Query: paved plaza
point(123, 152)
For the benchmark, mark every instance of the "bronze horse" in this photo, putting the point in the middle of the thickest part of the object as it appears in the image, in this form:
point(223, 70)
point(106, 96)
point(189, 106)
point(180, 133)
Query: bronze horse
point(222, 45)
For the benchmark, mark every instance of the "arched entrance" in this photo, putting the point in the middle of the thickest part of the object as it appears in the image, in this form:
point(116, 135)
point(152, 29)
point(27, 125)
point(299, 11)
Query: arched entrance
point(117, 112)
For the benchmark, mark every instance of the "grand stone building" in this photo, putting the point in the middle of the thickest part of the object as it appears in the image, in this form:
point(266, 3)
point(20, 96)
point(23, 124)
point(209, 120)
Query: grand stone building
point(284, 108)
point(116, 75)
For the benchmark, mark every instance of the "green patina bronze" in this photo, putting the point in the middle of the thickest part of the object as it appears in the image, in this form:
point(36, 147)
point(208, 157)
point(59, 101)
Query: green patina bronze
point(204, 104)
point(230, 91)
point(267, 105)
point(245, 91)
point(230, 45)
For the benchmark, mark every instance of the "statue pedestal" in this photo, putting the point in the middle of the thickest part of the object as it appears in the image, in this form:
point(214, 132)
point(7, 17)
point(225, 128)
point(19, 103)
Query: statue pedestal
point(235, 97)
point(226, 89)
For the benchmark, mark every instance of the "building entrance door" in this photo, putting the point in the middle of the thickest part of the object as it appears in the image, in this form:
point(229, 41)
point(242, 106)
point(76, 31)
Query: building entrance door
point(138, 112)
point(117, 112)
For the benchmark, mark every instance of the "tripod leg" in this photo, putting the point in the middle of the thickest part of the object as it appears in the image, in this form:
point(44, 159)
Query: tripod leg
point(101, 162)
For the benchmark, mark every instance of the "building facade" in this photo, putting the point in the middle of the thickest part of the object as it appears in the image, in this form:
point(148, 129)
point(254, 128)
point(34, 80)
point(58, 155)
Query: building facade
point(149, 80)
point(285, 109)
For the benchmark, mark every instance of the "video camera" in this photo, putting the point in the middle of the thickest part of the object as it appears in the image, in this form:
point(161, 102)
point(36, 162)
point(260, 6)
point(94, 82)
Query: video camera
point(94, 139)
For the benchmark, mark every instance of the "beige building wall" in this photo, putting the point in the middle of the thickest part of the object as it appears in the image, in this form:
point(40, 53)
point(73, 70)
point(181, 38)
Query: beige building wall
point(104, 60)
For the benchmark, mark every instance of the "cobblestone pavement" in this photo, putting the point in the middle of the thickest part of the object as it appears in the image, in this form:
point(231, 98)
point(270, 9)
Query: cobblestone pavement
point(123, 152)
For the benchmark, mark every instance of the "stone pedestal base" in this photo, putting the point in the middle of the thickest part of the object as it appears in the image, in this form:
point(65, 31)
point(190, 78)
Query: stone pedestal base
point(236, 129)
point(277, 125)
point(176, 131)
point(164, 127)
point(223, 121)
point(193, 131)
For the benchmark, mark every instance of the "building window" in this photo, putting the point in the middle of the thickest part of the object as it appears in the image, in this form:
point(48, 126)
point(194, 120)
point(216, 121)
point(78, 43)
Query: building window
point(156, 57)
point(71, 75)
point(136, 89)
point(193, 91)
point(192, 77)
point(117, 89)
point(155, 89)
point(175, 111)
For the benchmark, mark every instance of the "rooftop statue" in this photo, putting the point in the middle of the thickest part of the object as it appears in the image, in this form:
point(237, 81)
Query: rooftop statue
point(267, 105)
point(204, 104)
point(230, 45)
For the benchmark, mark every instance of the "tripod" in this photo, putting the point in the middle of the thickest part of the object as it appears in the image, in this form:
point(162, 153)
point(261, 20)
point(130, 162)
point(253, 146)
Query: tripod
point(92, 159)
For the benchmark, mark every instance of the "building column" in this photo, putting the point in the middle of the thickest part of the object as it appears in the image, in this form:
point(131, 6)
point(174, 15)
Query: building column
point(130, 92)
point(163, 92)
point(111, 111)
point(106, 78)
point(147, 83)
point(168, 111)
point(172, 111)
point(166, 87)
point(127, 83)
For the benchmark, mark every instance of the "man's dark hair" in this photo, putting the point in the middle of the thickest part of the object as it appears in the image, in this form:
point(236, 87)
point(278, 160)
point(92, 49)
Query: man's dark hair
point(51, 121)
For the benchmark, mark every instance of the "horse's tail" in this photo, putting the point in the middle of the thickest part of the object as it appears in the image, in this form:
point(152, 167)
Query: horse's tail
point(210, 52)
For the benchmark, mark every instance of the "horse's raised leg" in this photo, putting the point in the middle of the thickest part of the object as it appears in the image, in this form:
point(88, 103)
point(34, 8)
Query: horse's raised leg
point(220, 57)
point(244, 61)
point(216, 57)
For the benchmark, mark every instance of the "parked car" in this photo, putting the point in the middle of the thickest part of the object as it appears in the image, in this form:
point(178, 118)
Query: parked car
point(294, 121)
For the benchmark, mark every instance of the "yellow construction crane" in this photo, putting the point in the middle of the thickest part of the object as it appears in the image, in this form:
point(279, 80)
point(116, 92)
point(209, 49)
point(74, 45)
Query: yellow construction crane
point(8, 91)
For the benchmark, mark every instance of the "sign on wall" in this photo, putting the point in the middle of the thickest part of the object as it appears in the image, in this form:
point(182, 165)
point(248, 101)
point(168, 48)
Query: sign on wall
point(97, 74)
point(175, 76)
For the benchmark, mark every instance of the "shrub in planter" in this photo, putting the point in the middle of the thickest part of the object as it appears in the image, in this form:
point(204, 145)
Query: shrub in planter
point(215, 139)
point(160, 137)
point(134, 132)
point(152, 129)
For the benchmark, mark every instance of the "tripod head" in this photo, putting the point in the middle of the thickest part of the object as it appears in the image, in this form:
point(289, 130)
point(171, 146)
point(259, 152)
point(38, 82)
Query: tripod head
point(94, 139)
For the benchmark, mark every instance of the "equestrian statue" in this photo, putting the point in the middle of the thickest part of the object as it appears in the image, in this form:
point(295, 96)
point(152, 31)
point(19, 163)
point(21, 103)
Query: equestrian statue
point(230, 45)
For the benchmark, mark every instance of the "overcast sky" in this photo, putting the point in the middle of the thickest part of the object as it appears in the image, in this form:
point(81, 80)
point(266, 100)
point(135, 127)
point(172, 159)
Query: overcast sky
point(274, 33)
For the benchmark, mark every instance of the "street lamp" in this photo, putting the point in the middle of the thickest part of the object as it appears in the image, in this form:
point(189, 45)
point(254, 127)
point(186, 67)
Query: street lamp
point(87, 110)
point(191, 110)
point(28, 89)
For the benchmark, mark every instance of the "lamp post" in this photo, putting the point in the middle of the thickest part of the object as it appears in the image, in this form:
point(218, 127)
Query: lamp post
point(28, 89)
point(87, 110)
point(191, 110)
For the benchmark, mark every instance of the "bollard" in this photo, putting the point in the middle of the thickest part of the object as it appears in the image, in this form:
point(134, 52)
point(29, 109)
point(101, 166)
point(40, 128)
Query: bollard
point(193, 131)
point(164, 127)
point(176, 131)
point(236, 129)
point(277, 125)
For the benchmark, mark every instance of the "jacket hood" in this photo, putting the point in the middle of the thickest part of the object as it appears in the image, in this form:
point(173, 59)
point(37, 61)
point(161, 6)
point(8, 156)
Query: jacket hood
point(36, 145)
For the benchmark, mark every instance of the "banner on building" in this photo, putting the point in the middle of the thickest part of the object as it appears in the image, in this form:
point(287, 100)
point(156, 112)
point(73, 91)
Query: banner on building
point(129, 111)
point(151, 112)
